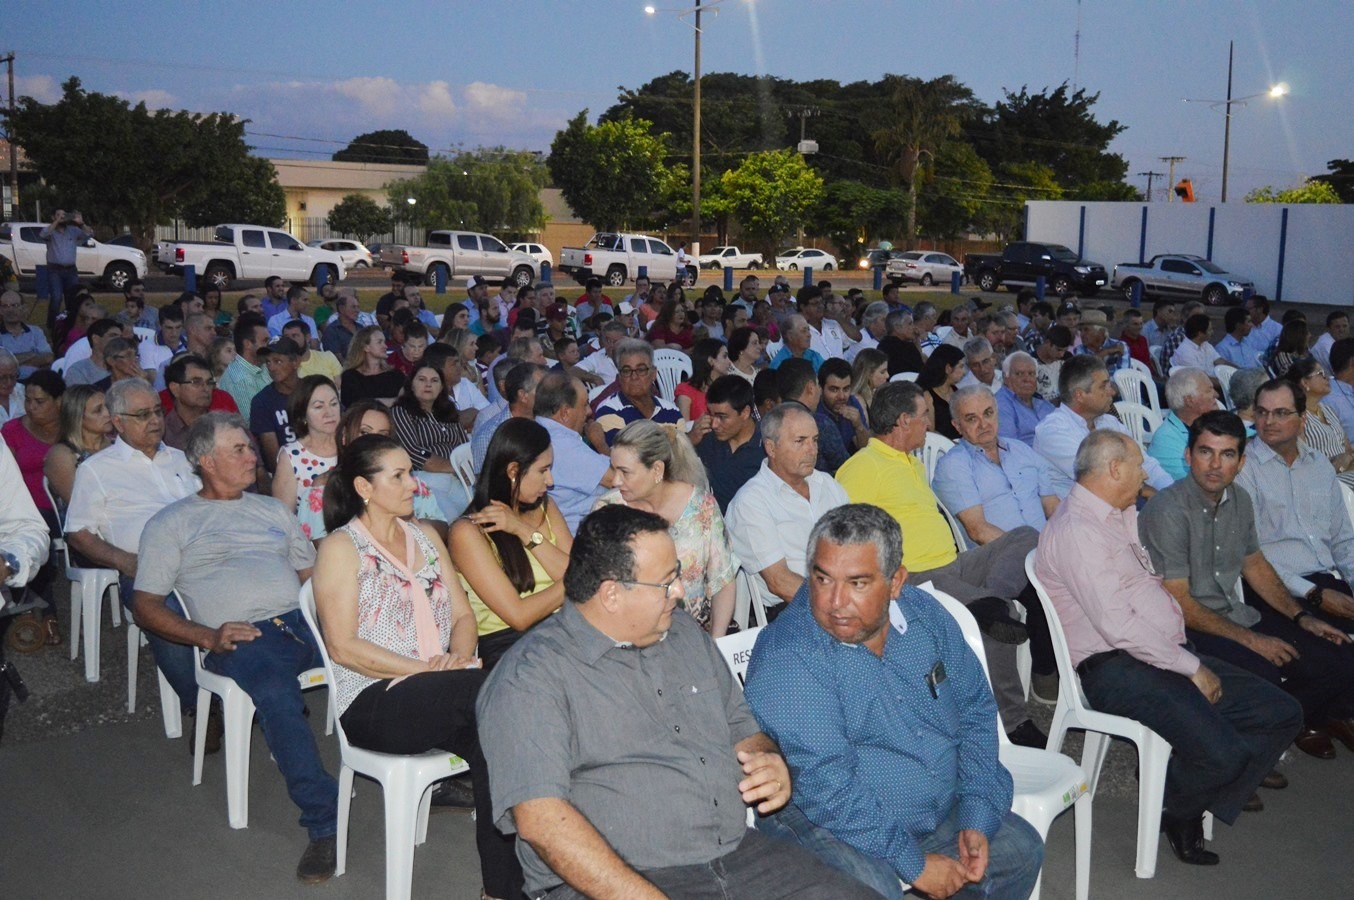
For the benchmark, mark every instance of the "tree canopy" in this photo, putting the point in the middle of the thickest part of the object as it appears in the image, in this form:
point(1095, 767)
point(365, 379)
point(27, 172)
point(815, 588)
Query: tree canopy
point(489, 189)
point(612, 174)
point(772, 194)
point(1313, 191)
point(359, 216)
point(1340, 176)
point(124, 165)
point(386, 146)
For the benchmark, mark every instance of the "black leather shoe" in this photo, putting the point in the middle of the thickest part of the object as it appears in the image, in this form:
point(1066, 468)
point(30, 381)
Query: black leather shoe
point(1275, 780)
point(1027, 734)
point(1187, 842)
point(319, 861)
point(995, 621)
point(454, 793)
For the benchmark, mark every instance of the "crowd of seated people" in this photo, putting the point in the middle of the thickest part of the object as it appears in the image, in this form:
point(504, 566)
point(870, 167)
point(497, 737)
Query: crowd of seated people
point(509, 496)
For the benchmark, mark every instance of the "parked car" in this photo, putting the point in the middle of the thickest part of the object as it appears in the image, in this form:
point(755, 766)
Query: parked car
point(1183, 275)
point(1021, 263)
point(807, 257)
point(111, 264)
point(729, 258)
point(354, 254)
point(617, 258)
point(458, 254)
point(539, 252)
point(926, 266)
point(250, 252)
point(877, 256)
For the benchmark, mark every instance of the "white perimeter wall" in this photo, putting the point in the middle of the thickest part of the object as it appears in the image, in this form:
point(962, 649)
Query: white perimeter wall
point(1317, 250)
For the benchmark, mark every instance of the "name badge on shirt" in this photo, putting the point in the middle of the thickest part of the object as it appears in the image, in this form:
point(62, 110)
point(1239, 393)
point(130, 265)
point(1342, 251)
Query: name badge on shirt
point(935, 678)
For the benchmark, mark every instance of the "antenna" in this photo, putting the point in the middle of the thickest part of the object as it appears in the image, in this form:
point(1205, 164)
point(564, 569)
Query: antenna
point(1076, 51)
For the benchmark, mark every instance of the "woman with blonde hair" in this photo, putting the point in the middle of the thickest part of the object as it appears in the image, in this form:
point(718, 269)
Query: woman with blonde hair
point(367, 375)
point(869, 373)
point(657, 470)
point(86, 428)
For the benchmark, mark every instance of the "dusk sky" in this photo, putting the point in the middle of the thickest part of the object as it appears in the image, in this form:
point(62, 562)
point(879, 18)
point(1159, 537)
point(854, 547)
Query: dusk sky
point(311, 76)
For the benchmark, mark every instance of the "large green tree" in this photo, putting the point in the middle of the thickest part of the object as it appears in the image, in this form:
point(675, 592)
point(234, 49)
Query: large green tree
point(854, 215)
point(917, 118)
point(124, 165)
point(359, 216)
point(958, 192)
point(387, 146)
point(772, 194)
point(489, 189)
point(613, 174)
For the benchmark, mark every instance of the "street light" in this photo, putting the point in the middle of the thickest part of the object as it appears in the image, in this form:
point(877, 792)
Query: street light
point(682, 12)
point(1274, 92)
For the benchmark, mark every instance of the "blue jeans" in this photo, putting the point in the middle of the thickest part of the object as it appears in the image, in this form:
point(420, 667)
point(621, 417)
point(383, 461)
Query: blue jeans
point(1014, 858)
point(174, 660)
point(266, 668)
point(58, 280)
point(1219, 751)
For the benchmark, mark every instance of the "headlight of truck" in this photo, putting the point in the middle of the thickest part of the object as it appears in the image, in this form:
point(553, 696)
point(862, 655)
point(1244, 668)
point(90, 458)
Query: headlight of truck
point(1082, 270)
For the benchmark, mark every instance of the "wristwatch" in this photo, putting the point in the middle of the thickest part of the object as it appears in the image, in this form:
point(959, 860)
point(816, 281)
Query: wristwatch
point(1313, 597)
point(12, 562)
point(1298, 618)
point(536, 540)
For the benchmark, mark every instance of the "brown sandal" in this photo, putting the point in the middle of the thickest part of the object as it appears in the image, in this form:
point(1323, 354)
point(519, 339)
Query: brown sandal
point(26, 634)
point(53, 631)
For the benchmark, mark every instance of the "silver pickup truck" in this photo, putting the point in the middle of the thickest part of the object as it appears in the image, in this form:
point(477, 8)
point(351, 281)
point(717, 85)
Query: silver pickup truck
point(460, 254)
point(1182, 276)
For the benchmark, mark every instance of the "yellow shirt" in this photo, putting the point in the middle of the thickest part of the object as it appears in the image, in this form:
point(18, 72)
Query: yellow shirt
point(896, 483)
point(321, 362)
point(488, 620)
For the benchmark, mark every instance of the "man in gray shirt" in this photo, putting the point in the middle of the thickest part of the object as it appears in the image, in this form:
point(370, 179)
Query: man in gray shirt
point(620, 749)
point(95, 368)
point(1200, 533)
point(63, 237)
point(237, 561)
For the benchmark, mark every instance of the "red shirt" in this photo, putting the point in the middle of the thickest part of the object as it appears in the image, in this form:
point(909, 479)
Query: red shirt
point(1139, 349)
point(221, 401)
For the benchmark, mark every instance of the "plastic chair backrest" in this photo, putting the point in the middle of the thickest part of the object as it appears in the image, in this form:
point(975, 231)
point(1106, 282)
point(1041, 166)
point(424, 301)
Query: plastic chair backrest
point(59, 365)
point(972, 636)
point(1062, 655)
point(306, 600)
point(736, 649)
point(904, 376)
point(144, 335)
point(673, 366)
point(961, 541)
point(1135, 387)
point(1140, 421)
point(936, 446)
point(463, 466)
point(1224, 375)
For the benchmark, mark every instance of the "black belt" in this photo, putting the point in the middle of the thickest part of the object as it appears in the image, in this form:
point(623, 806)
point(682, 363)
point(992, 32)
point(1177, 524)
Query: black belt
point(60, 266)
point(1095, 660)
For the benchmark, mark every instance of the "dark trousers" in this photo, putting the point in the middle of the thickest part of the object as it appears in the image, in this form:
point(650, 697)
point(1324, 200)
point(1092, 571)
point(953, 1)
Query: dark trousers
point(436, 710)
point(1321, 678)
point(1219, 752)
point(760, 869)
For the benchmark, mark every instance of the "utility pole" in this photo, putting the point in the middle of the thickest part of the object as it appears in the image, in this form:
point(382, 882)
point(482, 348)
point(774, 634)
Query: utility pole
point(1149, 176)
point(696, 146)
point(1170, 185)
point(13, 150)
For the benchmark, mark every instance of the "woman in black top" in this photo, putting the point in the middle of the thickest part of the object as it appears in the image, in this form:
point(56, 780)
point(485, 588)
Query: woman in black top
point(367, 375)
point(939, 376)
point(428, 427)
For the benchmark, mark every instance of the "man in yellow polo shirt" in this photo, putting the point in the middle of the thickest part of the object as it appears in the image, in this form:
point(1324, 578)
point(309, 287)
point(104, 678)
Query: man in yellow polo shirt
point(985, 579)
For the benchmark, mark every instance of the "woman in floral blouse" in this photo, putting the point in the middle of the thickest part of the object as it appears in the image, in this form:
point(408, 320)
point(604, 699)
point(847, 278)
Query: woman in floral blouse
point(302, 464)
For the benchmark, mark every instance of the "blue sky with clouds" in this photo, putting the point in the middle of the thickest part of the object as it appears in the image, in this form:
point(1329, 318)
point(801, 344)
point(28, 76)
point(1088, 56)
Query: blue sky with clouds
point(311, 75)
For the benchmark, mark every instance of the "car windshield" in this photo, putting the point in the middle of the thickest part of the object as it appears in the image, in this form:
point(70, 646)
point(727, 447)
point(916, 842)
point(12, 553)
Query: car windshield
point(911, 254)
point(1060, 252)
point(1210, 267)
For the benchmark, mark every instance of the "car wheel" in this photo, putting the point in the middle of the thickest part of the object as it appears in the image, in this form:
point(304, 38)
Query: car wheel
point(1062, 286)
point(794, 267)
point(219, 275)
point(1215, 295)
point(716, 265)
point(446, 275)
point(827, 267)
point(118, 274)
point(522, 276)
point(324, 275)
point(927, 280)
point(360, 264)
point(1127, 288)
point(987, 281)
point(690, 274)
point(754, 265)
point(615, 276)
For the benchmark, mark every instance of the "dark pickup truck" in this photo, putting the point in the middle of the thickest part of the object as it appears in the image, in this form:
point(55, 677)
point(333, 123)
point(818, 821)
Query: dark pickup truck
point(1021, 262)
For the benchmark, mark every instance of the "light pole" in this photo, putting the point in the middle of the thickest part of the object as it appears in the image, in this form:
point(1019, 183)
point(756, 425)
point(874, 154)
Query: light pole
point(1276, 91)
point(695, 12)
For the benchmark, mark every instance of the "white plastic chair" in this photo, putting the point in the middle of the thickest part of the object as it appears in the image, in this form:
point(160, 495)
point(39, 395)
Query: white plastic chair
point(1073, 711)
point(1141, 422)
point(59, 365)
point(144, 335)
point(904, 376)
point(463, 467)
point(596, 391)
point(673, 366)
point(747, 599)
point(737, 651)
point(936, 446)
point(1140, 366)
point(1224, 374)
point(1348, 493)
point(405, 781)
point(1046, 782)
point(961, 542)
point(88, 588)
point(1136, 387)
point(237, 711)
point(169, 701)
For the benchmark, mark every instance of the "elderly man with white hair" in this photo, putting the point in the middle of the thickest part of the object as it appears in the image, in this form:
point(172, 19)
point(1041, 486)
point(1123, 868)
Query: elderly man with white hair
point(982, 365)
point(873, 329)
point(1019, 405)
point(1189, 394)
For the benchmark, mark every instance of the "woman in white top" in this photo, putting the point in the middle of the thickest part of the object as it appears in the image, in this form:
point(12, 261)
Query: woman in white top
point(745, 348)
point(303, 464)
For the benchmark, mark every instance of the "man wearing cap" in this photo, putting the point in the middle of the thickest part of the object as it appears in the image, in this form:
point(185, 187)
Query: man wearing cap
point(1095, 339)
point(1049, 356)
point(711, 324)
point(477, 294)
point(398, 281)
point(556, 328)
point(268, 410)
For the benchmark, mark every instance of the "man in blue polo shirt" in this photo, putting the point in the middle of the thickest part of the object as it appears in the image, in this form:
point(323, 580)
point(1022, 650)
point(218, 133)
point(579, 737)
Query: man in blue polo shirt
point(1020, 409)
point(732, 451)
point(28, 344)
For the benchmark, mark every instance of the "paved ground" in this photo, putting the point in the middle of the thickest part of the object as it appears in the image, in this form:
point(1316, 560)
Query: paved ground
point(97, 803)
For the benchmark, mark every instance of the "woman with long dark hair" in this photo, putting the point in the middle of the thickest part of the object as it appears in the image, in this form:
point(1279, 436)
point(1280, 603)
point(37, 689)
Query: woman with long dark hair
point(400, 632)
point(672, 327)
point(428, 426)
point(942, 372)
point(304, 464)
point(512, 545)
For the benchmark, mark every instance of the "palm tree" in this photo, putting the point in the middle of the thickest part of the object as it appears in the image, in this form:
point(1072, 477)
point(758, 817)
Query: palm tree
point(919, 116)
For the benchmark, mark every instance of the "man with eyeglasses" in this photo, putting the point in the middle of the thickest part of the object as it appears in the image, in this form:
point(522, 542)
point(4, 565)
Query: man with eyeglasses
point(190, 393)
point(1304, 527)
point(28, 344)
point(621, 706)
point(116, 491)
point(635, 397)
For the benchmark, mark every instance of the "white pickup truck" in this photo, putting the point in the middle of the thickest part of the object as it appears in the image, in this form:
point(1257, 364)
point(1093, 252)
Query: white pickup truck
point(617, 258)
point(460, 254)
point(250, 252)
point(112, 264)
point(729, 258)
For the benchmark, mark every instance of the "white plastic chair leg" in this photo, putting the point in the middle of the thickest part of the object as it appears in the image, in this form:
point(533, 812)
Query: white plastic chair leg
point(77, 616)
point(401, 829)
point(1082, 811)
point(204, 705)
point(169, 708)
point(238, 712)
point(115, 607)
point(345, 804)
point(1093, 753)
point(91, 600)
point(133, 661)
point(1153, 757)
point(1208, 826)
point(425, 806)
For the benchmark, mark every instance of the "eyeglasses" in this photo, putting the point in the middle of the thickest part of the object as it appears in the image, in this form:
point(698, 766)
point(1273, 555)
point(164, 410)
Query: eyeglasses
point(121, 356)
point(665, 585)
point(1279, 415)
point(637, 372)
point(155, 412)
point(200, 382)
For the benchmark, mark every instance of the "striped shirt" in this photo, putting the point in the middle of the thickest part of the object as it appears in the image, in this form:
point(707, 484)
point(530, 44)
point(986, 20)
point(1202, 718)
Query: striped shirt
point(424, 437)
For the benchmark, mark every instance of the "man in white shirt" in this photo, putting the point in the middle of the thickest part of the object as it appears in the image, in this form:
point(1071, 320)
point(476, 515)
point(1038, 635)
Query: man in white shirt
point(1087, 398)
point(826, 337)
point(1266, 330)
point(1195, 351)
point(298, 307)
point(1337, 327)
point(770, 517)
point(599, 364)
point(873, 329)
point(116, 492)
point(982, 365)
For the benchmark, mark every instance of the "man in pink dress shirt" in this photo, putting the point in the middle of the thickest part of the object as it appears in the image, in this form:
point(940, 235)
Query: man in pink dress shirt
point(1227, 727)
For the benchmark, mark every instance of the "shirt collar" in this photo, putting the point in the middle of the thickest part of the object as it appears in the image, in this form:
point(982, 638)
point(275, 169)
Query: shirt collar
point(1097, 507)
point(889, 452)
point(592, 641)
point(124, 451)
point(1263, 453)
point(1191, 487)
